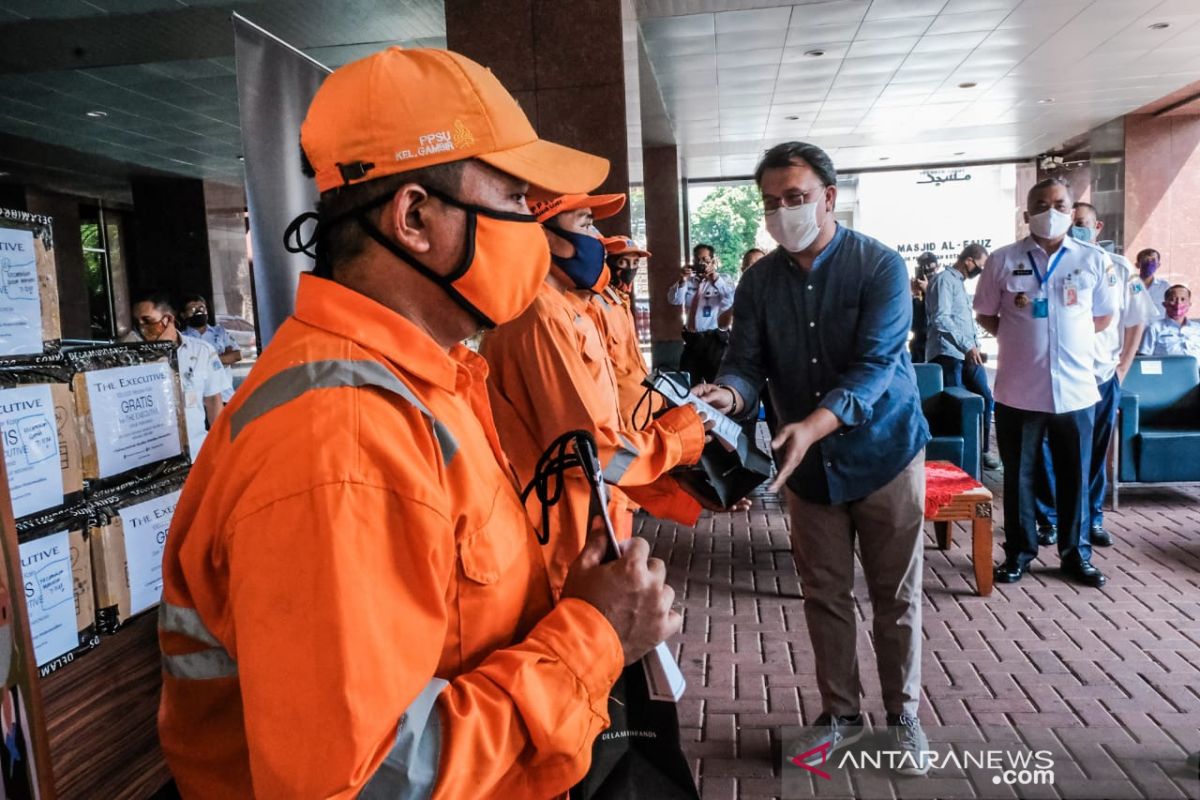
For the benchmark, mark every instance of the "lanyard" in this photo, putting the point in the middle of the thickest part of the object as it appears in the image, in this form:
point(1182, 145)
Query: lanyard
point(1053, 266)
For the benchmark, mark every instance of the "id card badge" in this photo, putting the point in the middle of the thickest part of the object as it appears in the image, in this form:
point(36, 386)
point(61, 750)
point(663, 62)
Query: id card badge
point(708, 311)
point(1041, 308)
point(1070, 289)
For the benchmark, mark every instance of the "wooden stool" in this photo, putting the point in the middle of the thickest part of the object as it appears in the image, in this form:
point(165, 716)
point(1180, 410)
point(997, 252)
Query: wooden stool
point(974, 505)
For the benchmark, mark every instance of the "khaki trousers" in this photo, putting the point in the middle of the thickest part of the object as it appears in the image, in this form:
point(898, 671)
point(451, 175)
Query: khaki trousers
point(889, 525)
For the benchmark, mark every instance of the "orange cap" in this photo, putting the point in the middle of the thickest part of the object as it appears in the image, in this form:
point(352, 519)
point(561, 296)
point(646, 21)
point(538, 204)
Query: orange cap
point(400, 110)
point(545, 205)
point(623, 246)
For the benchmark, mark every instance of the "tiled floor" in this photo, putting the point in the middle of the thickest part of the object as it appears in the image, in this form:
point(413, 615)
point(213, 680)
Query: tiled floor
point(1118, 668)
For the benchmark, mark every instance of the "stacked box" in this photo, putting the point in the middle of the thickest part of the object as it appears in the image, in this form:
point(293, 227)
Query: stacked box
point(40, 434)
point(56, 569)
point(128, 531)
point(130, 410)
point(29, 315)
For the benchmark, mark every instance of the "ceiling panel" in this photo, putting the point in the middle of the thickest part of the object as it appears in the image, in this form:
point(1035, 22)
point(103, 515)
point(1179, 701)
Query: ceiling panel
point(917, 81)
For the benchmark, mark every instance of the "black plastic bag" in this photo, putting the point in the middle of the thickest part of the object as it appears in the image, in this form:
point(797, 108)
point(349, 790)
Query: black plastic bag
point(639, 756)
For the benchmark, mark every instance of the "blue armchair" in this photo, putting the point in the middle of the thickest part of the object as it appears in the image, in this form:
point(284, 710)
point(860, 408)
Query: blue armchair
point(1160, 421)
point(955, 418)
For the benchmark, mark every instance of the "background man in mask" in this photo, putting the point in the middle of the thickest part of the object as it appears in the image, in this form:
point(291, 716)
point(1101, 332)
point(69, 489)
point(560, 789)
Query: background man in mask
point(201, 375)
point(614, 315)
point(550, 373)
point(354, 603)
point(927, 267)
point(1115, 348)
point(952, 342)
point(196, 323)
point(1174, 334)
point(1044, 298)
point(705, 295)
point(1149, 262)
point(825, 318)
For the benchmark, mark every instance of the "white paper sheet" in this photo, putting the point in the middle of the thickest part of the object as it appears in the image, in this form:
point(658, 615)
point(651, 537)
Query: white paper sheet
point(724, 428)
point(135, 416)
point(50, 595)
point(31, 454)
point(146, 527)
point(1151, 367)
point(20, 306)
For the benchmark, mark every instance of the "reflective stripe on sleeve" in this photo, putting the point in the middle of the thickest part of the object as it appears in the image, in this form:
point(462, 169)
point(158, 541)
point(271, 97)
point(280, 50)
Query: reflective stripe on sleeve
point(283, 387)
point(411, 767)
point(203, 664)
point(616, 467)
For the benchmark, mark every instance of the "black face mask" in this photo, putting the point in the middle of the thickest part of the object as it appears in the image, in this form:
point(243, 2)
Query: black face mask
point(197, 320)
point(974, 272)
point(626, 276)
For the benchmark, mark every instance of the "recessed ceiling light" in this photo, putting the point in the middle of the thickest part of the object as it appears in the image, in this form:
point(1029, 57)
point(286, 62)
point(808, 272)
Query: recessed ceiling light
point(793, 117)
point(97, 114)
point(1159, 26)
point(885, 158)
point(961, 153)
point(814, 53)
point(1045, 101)
point(968, 85)
point(241, 158)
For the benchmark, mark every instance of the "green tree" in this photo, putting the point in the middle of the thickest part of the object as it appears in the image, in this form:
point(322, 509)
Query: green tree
point(728, 219)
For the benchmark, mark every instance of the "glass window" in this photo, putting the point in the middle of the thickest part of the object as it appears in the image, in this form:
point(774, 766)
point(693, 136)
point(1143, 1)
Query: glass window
point(100, 243)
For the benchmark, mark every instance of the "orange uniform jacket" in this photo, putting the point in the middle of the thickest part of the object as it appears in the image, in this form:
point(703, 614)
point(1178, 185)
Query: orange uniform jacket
point(351, 578)
point(550, 374)
point(613, 314)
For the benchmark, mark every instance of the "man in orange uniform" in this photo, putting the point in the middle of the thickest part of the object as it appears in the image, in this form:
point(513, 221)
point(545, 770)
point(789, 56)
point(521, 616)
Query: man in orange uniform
point(613, 312)
point(550, 373)
point(354, 603)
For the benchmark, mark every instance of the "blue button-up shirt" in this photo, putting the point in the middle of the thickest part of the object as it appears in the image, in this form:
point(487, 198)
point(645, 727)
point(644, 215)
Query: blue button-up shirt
point(833, 338)
point(951, 322)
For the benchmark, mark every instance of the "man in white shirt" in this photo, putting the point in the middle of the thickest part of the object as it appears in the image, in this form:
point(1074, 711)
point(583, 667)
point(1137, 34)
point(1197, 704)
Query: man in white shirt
point(201, 374)
point(1044, 298)
point(1148, 262)
point(195, 317)
point(1175, 334)
point(1116, 347)
point(704, 297)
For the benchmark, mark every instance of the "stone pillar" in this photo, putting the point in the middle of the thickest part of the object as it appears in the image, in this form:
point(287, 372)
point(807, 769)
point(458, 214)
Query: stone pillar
point(664, 240)
point(73, 302)
point(564, 62)
point(170, 237)
point(225, 206)
point(1162, 192)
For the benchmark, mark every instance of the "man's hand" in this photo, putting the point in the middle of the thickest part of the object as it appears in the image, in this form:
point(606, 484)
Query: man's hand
point(631, 592)
point(687, 273)
point(974, 356)
point(790, 446)
point(722, 398)
point(1122, 371)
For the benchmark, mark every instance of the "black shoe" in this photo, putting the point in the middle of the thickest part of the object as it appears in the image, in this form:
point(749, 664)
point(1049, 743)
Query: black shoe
point(1047, 535)
point(1008, 572)
point(1100, 537)
point(990, 461)
point(1084, 573)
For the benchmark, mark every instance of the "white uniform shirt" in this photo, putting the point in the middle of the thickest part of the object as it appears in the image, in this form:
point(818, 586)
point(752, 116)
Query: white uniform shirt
point(221, 341)
point(1158, 292)
point(1046, 363)
point(1134, 308)
point(201, 375)
point(703, 301)
point(1164, 337)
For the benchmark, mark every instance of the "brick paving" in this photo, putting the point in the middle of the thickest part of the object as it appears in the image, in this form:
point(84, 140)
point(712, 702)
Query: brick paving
point(1117, 669)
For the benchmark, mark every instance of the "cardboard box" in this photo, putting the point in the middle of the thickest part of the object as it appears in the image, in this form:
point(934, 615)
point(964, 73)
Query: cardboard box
point(128, 535)
point(56, 572)
point(28, 284)
point(40, 434)
point(130, 412)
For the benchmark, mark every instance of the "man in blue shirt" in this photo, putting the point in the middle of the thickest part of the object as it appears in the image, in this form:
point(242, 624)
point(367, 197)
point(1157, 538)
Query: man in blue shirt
point(953, 343)
point(825, 318)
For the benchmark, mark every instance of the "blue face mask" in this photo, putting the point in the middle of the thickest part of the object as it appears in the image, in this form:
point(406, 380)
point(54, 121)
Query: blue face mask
point(586, 267)
point(1082, 234)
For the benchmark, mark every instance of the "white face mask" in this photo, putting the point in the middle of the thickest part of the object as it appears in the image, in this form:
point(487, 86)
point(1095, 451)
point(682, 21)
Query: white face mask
point(1050, 224)
point(794, 228)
